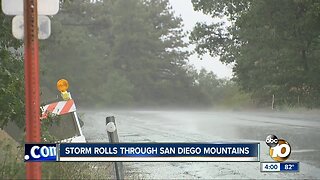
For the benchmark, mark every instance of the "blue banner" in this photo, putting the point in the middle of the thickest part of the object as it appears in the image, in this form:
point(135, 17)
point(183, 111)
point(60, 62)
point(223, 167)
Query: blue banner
point(159, 152)
point(143, 152)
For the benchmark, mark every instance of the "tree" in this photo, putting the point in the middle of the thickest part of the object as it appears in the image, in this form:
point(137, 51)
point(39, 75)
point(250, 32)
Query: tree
point(79, 51)
point(148, 47)
point(273, 44)
point(136, 44)
point(11, 76)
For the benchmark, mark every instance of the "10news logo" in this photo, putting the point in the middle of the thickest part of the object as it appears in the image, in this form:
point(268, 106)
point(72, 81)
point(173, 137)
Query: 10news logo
point(279, 149)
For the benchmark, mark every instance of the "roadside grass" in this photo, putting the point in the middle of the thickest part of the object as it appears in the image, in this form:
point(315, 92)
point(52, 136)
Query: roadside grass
point(12, 165)
point(296, 109)
point(11, 158)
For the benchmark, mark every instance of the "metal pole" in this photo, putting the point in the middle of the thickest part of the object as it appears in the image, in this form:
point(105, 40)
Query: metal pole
point(114, 138)
point(31, 75)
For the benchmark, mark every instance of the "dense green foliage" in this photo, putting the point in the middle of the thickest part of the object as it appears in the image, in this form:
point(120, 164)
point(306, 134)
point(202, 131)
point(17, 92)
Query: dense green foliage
point(11, 75)
point(274, 46)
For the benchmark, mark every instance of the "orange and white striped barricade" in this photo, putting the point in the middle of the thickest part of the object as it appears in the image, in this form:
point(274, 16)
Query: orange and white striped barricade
point(58, 108)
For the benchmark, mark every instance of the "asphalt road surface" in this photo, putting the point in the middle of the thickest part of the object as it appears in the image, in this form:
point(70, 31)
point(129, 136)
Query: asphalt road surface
point(301, 130)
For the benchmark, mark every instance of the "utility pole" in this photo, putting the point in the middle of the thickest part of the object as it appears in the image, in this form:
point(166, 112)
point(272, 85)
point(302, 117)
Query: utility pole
point(32, 86)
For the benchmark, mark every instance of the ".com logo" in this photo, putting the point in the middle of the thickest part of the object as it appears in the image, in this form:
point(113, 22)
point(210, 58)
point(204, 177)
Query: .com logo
point(279, 150)
point(40, 152)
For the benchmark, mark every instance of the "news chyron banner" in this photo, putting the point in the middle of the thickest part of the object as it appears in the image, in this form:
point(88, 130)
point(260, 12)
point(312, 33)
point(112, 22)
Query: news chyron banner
point(91, 152)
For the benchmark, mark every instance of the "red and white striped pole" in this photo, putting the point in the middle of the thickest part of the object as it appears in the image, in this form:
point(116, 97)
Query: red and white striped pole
point(32, 92)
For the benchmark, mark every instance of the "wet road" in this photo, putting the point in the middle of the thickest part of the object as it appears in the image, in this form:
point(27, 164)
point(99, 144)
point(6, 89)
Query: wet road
point(302, 131)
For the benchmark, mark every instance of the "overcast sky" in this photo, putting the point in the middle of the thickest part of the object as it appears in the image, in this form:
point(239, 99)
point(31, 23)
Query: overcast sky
point(184, 9)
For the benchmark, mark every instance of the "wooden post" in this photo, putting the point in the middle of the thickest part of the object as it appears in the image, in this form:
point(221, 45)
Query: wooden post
point(272, 105)
point(114, 138)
